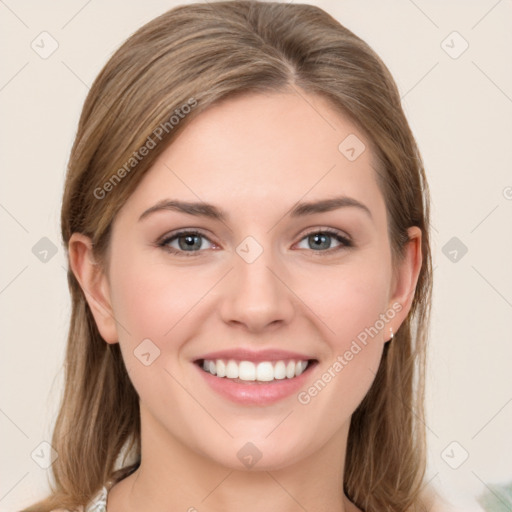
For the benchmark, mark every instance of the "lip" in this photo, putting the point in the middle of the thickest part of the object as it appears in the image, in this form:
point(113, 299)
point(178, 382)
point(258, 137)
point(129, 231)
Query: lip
point(253, 392)
point(255, 356)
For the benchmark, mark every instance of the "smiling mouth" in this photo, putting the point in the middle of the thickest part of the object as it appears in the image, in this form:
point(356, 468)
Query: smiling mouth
point(250, 372)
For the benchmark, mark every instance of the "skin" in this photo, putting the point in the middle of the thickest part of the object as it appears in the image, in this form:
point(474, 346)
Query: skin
point(255, 157)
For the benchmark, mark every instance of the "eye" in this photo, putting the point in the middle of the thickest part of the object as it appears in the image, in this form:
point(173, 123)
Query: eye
point(190, 243)
point(187, 242)
point(321, 240)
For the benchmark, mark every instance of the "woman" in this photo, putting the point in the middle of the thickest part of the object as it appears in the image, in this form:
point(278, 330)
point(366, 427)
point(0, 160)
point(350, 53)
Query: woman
point(246, 216)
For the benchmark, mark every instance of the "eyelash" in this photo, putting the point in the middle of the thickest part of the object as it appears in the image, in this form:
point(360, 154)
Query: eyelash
point(345, 241)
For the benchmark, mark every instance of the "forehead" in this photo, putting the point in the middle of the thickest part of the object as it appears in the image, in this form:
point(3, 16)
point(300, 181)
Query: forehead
point(263, 150)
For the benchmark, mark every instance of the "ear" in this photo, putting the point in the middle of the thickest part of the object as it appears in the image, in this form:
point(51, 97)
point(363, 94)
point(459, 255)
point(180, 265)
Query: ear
point(94, 284)
point(406, 277)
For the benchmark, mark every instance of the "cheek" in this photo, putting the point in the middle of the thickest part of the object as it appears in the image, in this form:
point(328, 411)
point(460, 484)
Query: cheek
point(354, 310)
point(150, 299)
point(155, 305)
point(351, 302)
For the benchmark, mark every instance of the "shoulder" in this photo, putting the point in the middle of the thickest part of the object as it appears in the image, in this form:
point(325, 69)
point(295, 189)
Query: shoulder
point(497, 497)
point(444, 507)
point(97, 504)
point(436, 502)
point(440, 505)
point(99, 501)
point(79, 509)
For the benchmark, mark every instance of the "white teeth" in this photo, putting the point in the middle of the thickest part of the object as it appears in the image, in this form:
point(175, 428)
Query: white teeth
point(301, 366)
point(264, 371)
point(246, 370)
point(221, 368)
point(232, 370)
point(290, 370)
point(280, 370)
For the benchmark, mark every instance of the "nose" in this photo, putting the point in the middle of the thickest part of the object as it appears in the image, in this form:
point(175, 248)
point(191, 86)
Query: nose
point(256, 296)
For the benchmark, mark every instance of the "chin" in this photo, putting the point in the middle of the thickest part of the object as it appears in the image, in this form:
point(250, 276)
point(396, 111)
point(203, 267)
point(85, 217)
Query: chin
point(260, 453)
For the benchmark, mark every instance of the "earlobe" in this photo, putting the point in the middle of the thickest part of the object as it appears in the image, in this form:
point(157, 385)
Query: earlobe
point(406, 276)
point(94, 284)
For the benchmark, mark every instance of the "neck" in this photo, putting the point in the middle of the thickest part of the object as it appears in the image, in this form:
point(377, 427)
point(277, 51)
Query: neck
point(171, 476)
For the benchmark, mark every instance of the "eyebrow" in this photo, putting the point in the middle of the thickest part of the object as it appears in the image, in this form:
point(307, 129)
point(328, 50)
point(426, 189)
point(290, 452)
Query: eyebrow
point(201, 209)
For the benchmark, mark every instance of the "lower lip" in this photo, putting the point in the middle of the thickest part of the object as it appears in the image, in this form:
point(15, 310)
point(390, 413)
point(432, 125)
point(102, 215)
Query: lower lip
point(254, 392)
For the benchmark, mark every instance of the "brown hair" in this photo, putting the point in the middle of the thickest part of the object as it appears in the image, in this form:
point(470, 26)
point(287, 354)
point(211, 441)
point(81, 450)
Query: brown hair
point(205, 53)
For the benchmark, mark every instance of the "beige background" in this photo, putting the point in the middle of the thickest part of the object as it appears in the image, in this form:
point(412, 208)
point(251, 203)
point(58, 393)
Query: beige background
point(460, 110)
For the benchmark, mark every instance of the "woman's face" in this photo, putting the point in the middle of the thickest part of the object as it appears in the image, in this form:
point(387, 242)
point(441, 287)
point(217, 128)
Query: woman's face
point(271, 285)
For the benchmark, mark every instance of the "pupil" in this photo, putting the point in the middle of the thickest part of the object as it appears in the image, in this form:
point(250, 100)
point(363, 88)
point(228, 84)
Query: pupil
point(319, 238)
point(190, 242)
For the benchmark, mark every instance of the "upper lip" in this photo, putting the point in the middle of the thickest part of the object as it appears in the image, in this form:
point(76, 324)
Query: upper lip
point(254, 355)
